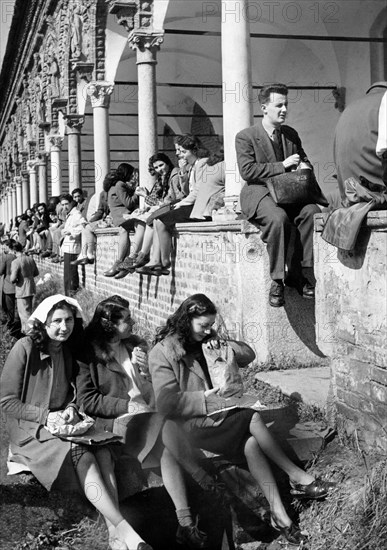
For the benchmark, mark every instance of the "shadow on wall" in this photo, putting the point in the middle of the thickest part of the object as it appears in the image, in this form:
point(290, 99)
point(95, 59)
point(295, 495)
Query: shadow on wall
point(302, 319)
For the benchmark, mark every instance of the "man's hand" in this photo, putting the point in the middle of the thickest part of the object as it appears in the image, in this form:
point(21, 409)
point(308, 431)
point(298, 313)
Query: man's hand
point(291, 161)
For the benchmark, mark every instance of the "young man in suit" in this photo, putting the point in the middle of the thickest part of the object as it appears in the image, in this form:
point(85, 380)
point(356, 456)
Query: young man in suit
point(267, 149)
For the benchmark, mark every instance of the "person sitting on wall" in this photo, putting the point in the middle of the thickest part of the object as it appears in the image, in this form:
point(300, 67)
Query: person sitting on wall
point(40, 229)
point(205, 196)
point(80, 199)
point(94, 215)
point(270, 148)
point(360, 145)
point(122, 199)
point(170, 187)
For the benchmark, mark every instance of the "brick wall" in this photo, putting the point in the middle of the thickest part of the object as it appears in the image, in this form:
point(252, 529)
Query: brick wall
point(228, 262)
point(352, 301)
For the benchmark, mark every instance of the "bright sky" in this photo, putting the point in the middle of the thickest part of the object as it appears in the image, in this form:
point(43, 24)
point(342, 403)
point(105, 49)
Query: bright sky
point(6, 12)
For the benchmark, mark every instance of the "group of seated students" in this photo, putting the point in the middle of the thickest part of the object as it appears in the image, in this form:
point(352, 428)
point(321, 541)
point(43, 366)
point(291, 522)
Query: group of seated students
point(187, 193)
point(40, 228)
point(163, 399)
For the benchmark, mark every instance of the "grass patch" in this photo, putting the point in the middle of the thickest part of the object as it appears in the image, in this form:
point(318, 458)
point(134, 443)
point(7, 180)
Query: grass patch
point(354, 517)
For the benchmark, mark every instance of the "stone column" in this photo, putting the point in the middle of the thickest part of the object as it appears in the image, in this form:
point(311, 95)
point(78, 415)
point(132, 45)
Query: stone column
point(146, 46)
point(236, 89)
point(25, 192)
point(19, 199)
point(100, 92)
point(13, 201)
point(42, 172)
point(56, 170)
point(32, 173)
point(74, 125)
point(8, 206)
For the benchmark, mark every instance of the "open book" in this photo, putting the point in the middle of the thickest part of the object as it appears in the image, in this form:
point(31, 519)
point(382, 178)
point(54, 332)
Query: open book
point(247, 401)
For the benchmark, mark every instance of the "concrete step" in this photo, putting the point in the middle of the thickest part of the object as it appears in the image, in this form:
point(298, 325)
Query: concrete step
point(310, 385)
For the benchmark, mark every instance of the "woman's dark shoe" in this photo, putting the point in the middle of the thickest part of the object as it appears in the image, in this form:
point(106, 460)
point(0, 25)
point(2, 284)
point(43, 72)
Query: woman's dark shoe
point(191, 536)
point(123, 273)
point(113, 270)
point(142, 259)
point(215, 487)
point(144, 546)
point(291, 533)
point(314, 491)
point(128, 263)
point(149, 270)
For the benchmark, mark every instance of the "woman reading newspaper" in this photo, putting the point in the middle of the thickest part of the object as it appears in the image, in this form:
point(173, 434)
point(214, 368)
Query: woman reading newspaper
point(184, 389)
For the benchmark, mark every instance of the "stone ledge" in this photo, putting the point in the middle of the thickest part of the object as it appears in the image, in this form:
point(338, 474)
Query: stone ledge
point(236, 226)
point(376, 219)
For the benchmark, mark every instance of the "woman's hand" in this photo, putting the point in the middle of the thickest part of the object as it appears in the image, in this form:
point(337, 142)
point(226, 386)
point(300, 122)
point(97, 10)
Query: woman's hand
point(207, 393)
point(215, 342)
point(141, 191)
point(140, 360)
point(70, 416)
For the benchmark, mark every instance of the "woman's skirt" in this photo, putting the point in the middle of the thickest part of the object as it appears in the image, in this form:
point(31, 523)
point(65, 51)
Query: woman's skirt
point(50, 460)
point(141, 438)
point(227, 439)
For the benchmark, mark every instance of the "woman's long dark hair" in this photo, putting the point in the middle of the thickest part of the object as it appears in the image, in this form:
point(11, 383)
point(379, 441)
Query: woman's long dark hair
point(37, 330)
point(193, 144)
point(159, 157)
point(123, 172)
point(102, 327)
point(179, 323)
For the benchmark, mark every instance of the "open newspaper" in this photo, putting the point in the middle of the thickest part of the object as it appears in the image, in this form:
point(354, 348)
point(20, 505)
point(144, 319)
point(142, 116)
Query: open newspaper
point(246, 401)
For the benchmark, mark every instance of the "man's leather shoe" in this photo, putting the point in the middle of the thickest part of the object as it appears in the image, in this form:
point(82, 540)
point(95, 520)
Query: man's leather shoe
point(277, 294)
point(301, 284)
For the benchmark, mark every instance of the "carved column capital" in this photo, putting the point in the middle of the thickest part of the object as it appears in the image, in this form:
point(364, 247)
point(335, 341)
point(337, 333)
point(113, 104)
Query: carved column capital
point(31, 165)
point(55, 141)
point(74, 123)
point(100, 92)
point(143, 40)
point(18, 181)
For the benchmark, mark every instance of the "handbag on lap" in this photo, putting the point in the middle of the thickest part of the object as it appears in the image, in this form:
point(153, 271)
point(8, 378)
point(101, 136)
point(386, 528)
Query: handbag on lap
point(297, 187)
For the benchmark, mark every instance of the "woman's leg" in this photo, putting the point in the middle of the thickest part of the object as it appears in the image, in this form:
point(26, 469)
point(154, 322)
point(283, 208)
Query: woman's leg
point(139, 230)
point(260, 470)
point(271, 448)
point(188, 533)
point(147, 240)
point(123, 244)
point(93, 482)
point(165, 240)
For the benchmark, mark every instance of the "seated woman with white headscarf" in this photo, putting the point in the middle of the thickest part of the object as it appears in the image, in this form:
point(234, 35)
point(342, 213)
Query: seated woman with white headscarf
point(37, 391)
